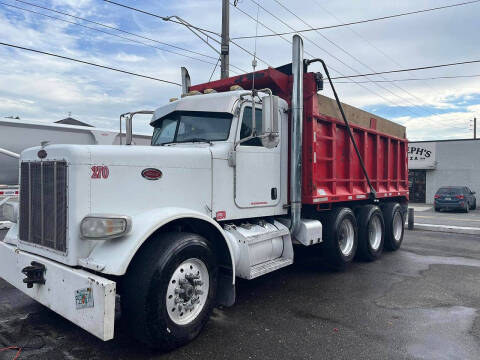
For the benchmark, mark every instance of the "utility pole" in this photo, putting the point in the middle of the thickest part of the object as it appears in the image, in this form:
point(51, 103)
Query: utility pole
point(474, 127)
point(225, 50)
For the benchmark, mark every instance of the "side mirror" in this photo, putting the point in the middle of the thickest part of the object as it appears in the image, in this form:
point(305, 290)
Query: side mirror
point(270, 135)
point(473, 192)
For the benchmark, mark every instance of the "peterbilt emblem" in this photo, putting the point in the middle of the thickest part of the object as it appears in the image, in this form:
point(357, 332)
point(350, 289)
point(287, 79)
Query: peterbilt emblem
point(42, 154)
point(151, 174)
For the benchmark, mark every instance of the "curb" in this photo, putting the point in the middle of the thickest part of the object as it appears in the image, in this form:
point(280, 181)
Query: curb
point(448, 229)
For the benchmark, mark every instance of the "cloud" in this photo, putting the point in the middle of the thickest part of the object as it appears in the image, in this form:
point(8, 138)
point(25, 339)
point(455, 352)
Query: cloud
point(41, 88)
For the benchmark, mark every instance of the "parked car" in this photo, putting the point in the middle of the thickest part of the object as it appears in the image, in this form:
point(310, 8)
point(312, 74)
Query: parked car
point(455, 198)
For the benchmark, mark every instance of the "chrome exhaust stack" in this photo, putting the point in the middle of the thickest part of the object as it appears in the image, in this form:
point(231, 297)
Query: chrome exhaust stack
point(296, 131)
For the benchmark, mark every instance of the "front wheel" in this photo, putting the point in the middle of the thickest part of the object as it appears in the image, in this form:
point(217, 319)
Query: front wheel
point(341, 237)
point(169, 291)
point(394, 225)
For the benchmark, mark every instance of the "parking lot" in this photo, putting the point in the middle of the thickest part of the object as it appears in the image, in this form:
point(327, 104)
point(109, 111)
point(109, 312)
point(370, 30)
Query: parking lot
point(420, 302)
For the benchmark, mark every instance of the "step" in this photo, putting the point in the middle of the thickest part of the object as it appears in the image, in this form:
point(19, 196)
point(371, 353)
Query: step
point(253, 239)
point(268, 266)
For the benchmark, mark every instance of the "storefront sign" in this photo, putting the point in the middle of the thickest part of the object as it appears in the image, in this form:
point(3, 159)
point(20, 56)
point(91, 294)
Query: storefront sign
point(422, 155)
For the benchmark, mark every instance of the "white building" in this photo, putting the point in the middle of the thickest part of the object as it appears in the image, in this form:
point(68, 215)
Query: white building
point(433, 164)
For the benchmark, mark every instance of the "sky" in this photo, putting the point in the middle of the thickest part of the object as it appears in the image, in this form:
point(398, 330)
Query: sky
point(41, 88)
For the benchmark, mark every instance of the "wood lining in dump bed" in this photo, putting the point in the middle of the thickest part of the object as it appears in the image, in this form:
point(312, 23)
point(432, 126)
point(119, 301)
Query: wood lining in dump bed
point(328, 106)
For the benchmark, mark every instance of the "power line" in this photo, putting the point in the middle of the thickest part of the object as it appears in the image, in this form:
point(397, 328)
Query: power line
point(357, 60)
point(308, 53)
point(411, 79)
point(411, 69)
point(164, 18)
point(107, 33)
point(115, 35)
point(387, 80)
point(363, 21)
point(169, 18)
point(403, 99)
point(88, 63)
point(110, 27)
point(333, 56)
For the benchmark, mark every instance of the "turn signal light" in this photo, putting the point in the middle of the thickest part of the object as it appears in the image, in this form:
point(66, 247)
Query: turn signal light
point(460, 197)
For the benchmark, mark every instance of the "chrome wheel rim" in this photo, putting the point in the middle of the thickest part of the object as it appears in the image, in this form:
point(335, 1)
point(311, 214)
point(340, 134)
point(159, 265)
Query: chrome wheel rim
point(397, 226)
point(375, 232)
point(187, 291)
point(346, 237)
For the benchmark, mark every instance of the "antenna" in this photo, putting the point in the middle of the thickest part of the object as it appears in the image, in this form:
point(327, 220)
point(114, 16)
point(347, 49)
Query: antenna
point(254, 65)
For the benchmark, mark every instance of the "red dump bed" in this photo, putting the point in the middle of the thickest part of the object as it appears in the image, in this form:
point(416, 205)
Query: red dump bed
point(331, 169)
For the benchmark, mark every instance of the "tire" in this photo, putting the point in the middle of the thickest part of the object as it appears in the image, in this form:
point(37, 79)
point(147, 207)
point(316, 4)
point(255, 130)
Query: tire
point(371, 232)
point(474, 206)
point(467, 208)
point(341, 237)
point(437, 209)
point(161, 270)
point(394, 226)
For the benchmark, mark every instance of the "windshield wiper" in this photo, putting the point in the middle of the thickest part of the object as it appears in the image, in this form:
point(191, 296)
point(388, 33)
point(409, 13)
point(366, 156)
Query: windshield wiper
point(198, 140)
point(194, 140)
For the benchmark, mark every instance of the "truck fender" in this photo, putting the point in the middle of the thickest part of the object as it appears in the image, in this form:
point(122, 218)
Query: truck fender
point(114, 256)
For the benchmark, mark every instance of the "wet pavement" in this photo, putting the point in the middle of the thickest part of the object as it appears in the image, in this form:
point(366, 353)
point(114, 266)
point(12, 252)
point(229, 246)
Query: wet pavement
point(427, 215)
point(422, 301)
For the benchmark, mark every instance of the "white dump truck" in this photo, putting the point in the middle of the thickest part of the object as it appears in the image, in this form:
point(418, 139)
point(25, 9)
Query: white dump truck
point(223, 192)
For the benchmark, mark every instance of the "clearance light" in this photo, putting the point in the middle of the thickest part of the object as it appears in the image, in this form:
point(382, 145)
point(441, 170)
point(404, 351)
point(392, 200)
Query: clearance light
point(209, 91)
point(101, 227)
point(173, 99)
point(235, 88)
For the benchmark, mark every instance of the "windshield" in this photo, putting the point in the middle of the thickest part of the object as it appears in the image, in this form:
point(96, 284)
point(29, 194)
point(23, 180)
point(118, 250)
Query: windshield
point(188, 126)
point(449, 191)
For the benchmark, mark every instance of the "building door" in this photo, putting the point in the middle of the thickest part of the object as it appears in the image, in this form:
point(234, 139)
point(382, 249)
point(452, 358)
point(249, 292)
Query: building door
point(417, 185)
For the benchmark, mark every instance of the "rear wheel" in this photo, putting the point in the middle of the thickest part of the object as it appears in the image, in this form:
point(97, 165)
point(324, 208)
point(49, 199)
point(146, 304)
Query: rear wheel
point(394, 225)
point(341, 237)
point(467, 207)
point(169, 290)
point(371, 231)
point(474, 206)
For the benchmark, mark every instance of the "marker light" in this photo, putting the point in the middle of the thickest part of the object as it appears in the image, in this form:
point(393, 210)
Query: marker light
point(101, 227)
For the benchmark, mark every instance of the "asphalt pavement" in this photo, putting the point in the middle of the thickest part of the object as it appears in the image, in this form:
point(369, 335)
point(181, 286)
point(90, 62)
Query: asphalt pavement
point(427, 215)
point(421, 302)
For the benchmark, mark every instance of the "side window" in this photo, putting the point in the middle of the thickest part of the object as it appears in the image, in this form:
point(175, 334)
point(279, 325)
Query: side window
point(165, 133)
point(246, 128)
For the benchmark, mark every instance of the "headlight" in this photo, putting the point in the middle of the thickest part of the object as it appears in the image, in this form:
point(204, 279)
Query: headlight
point(104, 226)
point(10, 211)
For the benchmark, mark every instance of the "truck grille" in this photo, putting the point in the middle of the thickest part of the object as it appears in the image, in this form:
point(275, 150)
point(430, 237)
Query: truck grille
point(43, 204)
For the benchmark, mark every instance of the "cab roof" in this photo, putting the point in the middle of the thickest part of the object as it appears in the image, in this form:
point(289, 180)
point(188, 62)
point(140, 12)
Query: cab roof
point(223, 102)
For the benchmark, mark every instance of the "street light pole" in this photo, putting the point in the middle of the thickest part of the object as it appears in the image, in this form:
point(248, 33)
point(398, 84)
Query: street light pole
point(225, 50)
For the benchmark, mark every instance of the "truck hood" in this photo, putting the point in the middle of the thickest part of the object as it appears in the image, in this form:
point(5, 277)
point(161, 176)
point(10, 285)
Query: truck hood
point(120, 187)
point(196, 156)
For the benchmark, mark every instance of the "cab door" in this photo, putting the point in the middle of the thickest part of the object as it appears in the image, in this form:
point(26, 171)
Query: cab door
point(257, 170)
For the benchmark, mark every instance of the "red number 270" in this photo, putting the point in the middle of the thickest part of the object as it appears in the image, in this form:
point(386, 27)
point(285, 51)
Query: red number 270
point(99, 172)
